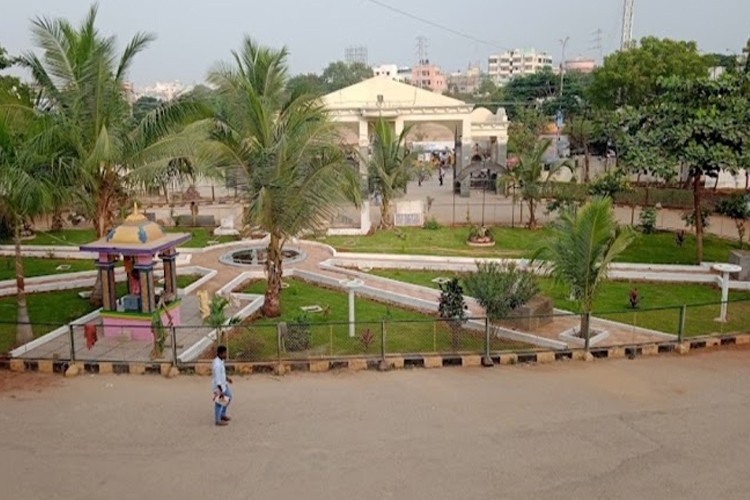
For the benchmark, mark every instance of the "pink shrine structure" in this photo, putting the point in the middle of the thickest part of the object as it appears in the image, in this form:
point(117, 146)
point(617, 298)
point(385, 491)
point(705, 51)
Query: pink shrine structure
point(138, 241)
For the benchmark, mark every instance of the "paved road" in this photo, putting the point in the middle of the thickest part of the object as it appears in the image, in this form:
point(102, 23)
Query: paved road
point(651, 428)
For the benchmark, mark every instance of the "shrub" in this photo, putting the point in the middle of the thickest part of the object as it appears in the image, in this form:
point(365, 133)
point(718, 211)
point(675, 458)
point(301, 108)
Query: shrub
point(298, 335)
point(634, 298)
point(648, 220)
point(738, 209)
point(689, 217)
point(500, 288)
point(452, 307)
point(365, 339)
point(679, 238)
point(432, 224)
point(480, 234)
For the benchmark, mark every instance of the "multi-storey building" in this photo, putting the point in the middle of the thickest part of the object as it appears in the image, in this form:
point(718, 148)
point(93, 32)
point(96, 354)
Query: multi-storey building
point(465, 82)
point(428, 76)
point(503, 67)
point(398, 73)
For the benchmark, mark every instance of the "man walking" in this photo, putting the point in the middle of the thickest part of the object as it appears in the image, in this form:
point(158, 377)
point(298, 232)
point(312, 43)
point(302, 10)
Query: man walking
point(220, 387)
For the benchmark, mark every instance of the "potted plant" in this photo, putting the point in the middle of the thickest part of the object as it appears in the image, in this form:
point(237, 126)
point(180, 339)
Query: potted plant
point(480, 236)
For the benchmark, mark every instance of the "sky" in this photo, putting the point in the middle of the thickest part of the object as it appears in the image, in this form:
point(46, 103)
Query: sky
point(193, 34)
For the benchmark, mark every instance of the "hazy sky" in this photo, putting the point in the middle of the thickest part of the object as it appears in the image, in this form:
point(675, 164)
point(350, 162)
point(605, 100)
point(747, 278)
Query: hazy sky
point(192, 34)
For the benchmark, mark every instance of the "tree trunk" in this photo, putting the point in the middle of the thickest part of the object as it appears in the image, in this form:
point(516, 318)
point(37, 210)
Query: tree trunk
point(102, 222)
point(57, 220)
point(698, 219)
point(272, 304)
point(24, 333)
point(532, 215)
point(586, 163)
point(385, 214)
point(586, 330)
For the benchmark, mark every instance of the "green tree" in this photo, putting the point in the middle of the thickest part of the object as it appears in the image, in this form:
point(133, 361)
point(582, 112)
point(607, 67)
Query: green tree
point(390, 168)
point(580, 251)
point(143, 106)
point(81, 78)
point(29, 183)
point(339, 75)
point(531, 175)
point(699, 124)
point(218, 318)
point(524, 129)
point(631, 77)
point(581, 132)
point(287, 148)
point(310, 83)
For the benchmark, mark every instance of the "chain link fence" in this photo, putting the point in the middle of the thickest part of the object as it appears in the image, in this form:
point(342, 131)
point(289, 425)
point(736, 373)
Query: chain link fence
point(309, 339)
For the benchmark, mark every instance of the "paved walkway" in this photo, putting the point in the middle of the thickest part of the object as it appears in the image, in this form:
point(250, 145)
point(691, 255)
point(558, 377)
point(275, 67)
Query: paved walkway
point(653, 428)
point(124, 350)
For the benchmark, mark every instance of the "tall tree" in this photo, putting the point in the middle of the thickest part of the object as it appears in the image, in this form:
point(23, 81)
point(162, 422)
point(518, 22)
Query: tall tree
point(581, 132)
point(580, 251)
point(339, 74)
point(287, 147)
point(29, 183)
point(631, 77)
point(531, 175)
point(81, 78)
point(700, 124)
point(391, 166)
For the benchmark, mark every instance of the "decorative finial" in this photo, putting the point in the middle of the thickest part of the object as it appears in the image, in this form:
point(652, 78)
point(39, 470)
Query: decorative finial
point(135, 208)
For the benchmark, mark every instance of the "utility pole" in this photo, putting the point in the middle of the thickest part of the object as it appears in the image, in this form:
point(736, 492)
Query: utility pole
point(564, 43)
point(626, 40)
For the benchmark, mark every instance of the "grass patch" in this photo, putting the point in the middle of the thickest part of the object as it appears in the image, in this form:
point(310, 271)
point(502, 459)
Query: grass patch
point(407, 331)
point(47, 311)
point(657, 248)
point(612, 302)
point(185, 280)
point(76, 237)
point(33, 266)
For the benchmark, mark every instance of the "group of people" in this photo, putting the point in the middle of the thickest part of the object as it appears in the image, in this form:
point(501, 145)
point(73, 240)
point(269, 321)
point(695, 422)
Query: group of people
point(440, 161)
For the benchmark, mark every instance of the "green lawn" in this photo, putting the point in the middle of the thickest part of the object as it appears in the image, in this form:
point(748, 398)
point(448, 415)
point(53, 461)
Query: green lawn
point(77, 237)
point(406, 331)
point(612, 302)
point(658, 248)
point(53, 309)
point(47, 312)
point(33, 266)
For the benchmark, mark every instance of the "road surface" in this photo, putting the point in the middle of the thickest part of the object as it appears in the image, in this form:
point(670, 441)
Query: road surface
point(665, 427)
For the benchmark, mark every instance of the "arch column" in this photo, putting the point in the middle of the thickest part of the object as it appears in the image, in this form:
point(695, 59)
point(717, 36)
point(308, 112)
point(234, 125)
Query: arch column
point(364, 155)
point(106, 267)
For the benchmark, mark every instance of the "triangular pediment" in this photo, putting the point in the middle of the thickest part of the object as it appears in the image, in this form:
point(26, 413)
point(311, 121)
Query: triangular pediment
point(364, 95)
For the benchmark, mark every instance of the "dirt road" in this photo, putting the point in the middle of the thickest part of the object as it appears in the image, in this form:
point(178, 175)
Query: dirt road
point(664, 427)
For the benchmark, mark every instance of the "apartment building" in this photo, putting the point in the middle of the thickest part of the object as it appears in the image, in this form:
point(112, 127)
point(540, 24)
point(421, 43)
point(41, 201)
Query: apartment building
point(394, 72)
point(429, 76)
point(519, 62)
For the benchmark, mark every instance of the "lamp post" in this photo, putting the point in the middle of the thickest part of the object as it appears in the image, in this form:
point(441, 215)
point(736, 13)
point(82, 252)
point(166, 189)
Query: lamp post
point(564, 43)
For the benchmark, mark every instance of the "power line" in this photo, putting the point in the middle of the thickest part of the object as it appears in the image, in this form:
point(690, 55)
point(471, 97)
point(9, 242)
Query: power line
point(436, 25)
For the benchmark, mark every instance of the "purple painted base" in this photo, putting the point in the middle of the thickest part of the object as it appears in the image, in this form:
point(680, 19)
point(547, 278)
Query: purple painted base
point(139, 329)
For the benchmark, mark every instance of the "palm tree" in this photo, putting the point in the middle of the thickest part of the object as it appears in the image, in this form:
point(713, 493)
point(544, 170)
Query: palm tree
point(582, 247)
point(29, 186)
point(390, 167)
point(82, 81)
point(284, 143)
point(531, 177)
point(581, 132)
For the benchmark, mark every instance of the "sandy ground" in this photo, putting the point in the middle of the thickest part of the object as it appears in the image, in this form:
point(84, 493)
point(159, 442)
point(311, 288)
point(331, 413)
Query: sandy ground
point(665, 427)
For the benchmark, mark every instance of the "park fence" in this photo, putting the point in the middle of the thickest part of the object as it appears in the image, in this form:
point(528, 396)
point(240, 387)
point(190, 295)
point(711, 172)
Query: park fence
point(311, 339)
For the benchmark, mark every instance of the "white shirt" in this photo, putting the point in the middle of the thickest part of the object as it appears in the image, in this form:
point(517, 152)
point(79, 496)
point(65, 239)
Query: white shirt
point(219, 374)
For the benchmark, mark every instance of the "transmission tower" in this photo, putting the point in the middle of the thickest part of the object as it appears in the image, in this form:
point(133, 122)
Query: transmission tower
point(626, 41)
point(598, 45)
point(422, 58)
point(355, 54)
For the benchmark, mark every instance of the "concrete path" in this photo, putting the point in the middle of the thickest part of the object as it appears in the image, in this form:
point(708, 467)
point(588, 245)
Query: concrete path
point(654, 428)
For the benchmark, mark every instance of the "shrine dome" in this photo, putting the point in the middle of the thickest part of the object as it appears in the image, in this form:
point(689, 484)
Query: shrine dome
point(136, 230)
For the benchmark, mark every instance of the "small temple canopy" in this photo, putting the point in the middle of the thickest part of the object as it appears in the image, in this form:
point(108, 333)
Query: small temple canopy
point(136, 236)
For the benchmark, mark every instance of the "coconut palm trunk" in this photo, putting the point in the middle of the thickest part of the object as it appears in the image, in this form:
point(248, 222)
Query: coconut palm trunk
point(24, 332)
point(272, 303)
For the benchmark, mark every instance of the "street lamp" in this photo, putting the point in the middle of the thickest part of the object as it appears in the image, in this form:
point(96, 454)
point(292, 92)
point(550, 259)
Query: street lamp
point(564, 43)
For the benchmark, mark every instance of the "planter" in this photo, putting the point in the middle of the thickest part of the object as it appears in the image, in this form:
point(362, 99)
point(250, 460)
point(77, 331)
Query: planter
point(480, 243)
